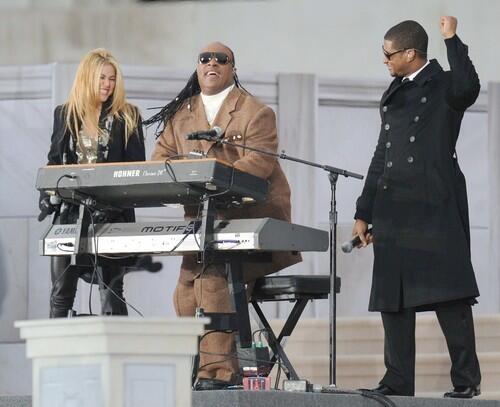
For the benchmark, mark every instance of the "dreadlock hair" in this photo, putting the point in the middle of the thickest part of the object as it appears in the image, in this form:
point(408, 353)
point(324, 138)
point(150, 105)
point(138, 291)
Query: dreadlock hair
point(191, 89)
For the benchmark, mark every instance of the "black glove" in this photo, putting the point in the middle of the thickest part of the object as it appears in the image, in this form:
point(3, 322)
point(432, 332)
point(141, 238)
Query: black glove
point(46, 208)
point(145, 262)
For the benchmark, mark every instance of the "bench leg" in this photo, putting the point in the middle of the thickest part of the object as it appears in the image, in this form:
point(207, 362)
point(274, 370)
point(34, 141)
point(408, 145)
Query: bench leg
point(293, 318)
point(275, 343)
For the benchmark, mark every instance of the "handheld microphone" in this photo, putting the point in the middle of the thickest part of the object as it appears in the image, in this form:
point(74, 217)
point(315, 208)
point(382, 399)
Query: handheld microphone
point(351, 244)
point(214, 134)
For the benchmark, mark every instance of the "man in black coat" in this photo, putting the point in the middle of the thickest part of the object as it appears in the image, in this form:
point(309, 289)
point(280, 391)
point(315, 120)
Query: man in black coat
point(416, 200)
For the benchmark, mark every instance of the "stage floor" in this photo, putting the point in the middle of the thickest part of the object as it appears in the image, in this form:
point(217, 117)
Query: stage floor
point(238, 398)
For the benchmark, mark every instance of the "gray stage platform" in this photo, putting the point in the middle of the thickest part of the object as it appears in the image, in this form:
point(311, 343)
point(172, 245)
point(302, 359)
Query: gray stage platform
point(285, 399)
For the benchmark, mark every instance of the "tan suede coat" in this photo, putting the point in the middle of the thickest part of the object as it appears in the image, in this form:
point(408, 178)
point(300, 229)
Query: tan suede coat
point(246, 121)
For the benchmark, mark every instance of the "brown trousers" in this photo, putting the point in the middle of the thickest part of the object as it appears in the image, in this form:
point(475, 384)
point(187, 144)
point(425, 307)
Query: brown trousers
point(208, 290)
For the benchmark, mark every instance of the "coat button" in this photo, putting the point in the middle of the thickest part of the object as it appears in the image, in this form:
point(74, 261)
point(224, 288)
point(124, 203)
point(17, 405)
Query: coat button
point(412, 139)
point(410, 159)
point(385, 187)
point(416, 119)
point(384, 109)
point(387, 126)
point(389, 164)
point(423, 100)
point(388, 144)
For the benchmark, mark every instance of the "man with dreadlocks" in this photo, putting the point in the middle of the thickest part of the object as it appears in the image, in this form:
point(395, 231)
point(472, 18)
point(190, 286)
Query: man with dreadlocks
point(213, 96)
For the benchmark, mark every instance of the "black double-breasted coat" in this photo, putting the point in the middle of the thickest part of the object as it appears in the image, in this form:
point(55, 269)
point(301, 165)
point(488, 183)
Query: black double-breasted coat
point(415, 194)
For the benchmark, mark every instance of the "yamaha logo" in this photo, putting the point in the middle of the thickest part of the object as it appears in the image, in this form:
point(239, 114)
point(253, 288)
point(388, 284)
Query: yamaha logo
point(65, 230)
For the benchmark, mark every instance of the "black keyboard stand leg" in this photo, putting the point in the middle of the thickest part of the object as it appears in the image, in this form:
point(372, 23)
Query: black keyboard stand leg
point(81, 236)
point(238, 293)
point(207, 227)
point(196, 365)
point(275, 344)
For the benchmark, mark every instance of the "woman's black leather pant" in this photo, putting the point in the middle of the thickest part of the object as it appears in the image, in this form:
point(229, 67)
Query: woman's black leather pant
point(65, 280)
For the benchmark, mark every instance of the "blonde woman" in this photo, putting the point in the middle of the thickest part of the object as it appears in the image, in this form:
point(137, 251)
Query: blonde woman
point(95, 125)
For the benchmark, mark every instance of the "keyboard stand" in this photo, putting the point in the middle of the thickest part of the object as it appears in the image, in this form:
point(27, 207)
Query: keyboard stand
point(82, 232)
point(239, 320)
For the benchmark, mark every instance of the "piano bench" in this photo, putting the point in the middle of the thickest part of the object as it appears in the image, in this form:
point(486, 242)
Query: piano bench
point(299, 289)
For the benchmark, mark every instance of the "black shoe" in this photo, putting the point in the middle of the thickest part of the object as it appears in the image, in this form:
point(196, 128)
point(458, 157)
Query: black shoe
point(385, 390)
point(211, 384)
point(464, 392)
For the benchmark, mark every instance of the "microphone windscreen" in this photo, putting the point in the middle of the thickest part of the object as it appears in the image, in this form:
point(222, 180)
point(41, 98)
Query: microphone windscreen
point(354, 242)
point(218, 131)
point(347, 247)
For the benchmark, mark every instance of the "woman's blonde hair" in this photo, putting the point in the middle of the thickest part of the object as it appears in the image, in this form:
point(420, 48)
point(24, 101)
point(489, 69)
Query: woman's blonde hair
point(83, 106)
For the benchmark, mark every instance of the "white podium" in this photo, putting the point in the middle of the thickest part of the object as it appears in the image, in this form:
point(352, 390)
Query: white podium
point(111, 361)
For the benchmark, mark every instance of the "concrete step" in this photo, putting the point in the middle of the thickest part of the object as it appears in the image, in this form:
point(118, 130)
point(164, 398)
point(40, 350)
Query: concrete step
point(365, 371)
point(366, 336)
point(360, 362)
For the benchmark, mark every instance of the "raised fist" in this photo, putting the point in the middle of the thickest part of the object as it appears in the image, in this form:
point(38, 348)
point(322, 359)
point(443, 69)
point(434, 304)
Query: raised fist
point(448, 26)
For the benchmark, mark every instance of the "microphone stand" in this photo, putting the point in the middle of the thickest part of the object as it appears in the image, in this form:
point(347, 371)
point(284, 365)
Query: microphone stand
point(333, 174)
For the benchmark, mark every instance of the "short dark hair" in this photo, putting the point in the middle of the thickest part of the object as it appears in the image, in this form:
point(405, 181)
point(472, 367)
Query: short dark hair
point(408, 34)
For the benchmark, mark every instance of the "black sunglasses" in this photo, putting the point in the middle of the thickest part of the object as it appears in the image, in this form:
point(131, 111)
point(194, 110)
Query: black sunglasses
point(220, 58)
point(388, 55)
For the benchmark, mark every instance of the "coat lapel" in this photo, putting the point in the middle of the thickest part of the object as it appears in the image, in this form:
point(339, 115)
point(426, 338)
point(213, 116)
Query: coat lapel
point(198, 118)
point(393, 87)
point(224, 115)
point(222, 119)
point(428, 72)
point(426, 75)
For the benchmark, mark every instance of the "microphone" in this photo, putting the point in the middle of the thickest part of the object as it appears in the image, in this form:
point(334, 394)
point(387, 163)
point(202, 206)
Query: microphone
point(214, 134)
point(351, 244)
point(196, 154)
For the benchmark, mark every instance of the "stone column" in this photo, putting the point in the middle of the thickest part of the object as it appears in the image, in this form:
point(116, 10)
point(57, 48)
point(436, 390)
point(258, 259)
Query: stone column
point(494, 181)
point(112, 361)
point(297, 127)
